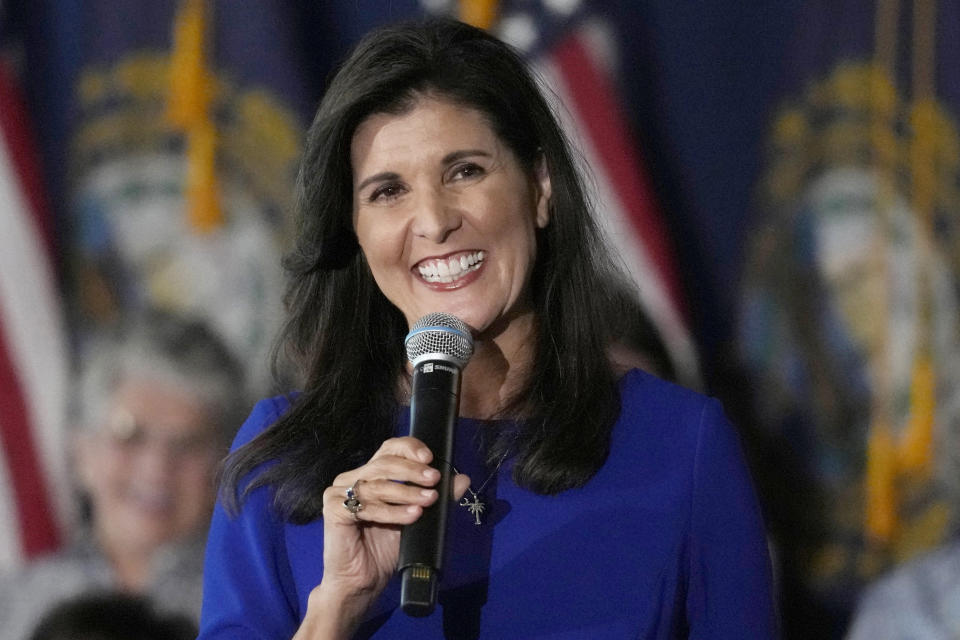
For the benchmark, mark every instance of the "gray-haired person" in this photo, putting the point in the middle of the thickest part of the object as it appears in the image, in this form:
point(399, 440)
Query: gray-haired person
point(154, 407)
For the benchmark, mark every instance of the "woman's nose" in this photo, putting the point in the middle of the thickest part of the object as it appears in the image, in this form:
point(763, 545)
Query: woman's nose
point(157, 460)
point(435, 217)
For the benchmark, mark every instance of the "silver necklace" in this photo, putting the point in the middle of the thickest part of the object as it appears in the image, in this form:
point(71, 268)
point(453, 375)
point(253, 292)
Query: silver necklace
point(474, 504)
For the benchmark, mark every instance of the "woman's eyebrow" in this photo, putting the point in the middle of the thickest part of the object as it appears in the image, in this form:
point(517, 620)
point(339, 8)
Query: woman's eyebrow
point(378, 177)
point(453, 156)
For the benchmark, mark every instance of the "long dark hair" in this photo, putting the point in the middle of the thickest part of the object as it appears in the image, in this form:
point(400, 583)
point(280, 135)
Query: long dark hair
point(347, 339)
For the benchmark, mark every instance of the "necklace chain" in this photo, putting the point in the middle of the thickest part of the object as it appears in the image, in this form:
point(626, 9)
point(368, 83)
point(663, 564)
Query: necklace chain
point(476, 506)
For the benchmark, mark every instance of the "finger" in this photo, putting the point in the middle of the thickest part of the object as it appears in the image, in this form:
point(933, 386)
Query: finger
point(368, 508)
point(405, 447)
point(461, 482)
point(390, 514)
point(392, 468)
point(398, 493)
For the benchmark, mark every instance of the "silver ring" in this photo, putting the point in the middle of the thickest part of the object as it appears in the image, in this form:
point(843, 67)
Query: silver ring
point(352, 503)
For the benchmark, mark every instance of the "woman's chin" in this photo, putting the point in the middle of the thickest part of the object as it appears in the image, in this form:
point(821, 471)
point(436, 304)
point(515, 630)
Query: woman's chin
point(149, 527)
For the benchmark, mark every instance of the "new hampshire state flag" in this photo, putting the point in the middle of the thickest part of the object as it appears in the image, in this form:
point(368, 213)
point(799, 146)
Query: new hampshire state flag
point(185, 124)
point(850, 318)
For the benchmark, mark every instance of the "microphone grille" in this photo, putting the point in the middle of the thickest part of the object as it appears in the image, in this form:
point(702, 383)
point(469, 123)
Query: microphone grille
point(440, 334)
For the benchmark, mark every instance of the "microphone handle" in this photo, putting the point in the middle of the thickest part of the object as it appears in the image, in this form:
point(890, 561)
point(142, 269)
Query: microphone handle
point(434, 406)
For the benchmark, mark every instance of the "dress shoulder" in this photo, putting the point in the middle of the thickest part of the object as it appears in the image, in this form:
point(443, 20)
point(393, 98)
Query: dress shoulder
point(681, 435)
point(264, 413)
point(645, 394)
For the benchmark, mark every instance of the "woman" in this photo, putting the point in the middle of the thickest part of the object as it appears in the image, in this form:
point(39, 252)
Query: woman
point(613, 504)
point(157, 404)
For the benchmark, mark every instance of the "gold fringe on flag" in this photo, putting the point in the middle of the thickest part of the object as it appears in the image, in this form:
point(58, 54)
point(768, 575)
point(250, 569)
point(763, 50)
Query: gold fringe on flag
point(917, 446)
point(910, 456)
point(881, 511)
point(916, 450)
point(191, 93)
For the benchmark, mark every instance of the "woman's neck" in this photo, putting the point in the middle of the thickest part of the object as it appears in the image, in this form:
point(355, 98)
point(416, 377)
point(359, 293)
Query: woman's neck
point(499, 369)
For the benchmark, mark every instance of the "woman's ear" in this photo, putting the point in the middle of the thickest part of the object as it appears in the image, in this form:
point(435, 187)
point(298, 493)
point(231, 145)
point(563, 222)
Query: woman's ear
point(542, 182)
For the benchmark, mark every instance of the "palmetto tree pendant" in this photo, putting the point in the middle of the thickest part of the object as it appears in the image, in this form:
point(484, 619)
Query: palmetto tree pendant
point(475, 506)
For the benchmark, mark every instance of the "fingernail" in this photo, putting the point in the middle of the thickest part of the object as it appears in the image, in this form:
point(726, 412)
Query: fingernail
point(430, 473)
point(413, 509)
point(427, 493)
point(423, 454)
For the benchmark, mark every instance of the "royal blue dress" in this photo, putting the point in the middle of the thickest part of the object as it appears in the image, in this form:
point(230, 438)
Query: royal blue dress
point(665, 541)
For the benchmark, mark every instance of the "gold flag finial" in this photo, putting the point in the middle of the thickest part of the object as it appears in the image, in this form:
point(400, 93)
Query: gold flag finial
point(479, 13)
point(191, 93)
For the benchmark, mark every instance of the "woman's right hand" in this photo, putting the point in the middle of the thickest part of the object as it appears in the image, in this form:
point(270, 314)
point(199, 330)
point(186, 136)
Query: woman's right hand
point(360, 551)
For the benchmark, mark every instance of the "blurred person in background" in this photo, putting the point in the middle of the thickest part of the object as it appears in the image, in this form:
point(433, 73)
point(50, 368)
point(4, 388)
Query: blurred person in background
point(112, 615)
point(154, 410)
point(920, 600)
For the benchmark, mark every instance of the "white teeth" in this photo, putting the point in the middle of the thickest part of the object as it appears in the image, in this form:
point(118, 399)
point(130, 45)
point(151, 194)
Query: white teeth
point(452, 269)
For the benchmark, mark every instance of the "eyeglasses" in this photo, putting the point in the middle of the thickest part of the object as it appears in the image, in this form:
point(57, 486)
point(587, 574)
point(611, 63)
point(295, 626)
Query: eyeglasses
point(126, 433)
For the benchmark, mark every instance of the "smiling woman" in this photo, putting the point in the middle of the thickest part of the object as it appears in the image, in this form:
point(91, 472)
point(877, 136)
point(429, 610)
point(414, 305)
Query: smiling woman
point(436, 179)
point(156, 402)
point(448, 219)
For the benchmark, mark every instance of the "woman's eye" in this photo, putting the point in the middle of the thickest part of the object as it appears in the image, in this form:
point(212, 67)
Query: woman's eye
point(468, 170)
point(386, 192)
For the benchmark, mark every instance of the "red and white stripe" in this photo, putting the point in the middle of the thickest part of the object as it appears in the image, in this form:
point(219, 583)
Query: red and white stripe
point(576, 71)
point(35, 500)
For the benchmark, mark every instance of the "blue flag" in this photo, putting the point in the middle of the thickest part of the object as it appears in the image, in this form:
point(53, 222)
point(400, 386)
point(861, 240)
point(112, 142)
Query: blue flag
point(850, 307)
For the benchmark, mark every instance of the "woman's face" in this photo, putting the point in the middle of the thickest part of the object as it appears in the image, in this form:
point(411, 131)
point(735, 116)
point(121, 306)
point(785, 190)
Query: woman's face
point(149, 468)
point(444, 213)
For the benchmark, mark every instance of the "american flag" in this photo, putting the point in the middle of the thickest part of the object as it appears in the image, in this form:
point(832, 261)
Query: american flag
point(34, 495)
point(575, 52)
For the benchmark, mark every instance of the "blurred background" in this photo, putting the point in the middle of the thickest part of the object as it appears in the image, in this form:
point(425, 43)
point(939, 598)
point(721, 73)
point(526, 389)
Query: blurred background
point(781, 177)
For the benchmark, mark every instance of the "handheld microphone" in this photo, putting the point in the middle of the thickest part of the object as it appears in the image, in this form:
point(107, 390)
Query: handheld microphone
point(439, 346)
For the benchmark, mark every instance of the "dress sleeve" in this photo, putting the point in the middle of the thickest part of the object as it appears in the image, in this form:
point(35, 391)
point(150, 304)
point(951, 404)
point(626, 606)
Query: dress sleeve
point(248, 589)
point(730, 593)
